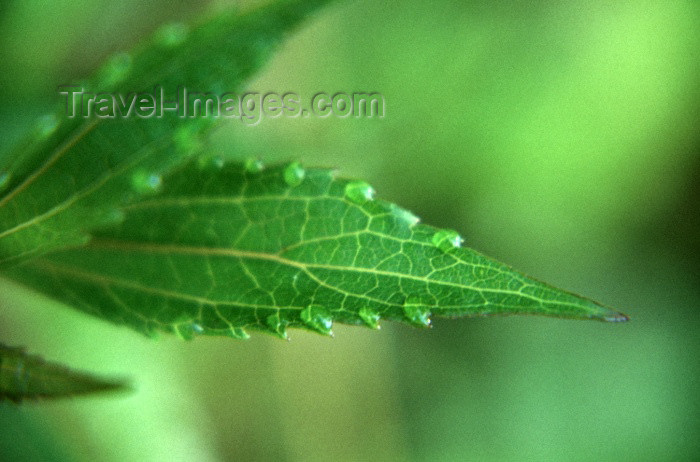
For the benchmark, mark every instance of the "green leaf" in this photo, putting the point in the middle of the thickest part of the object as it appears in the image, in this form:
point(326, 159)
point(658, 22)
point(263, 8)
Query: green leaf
point(223, 248)
point(72, 174)
point(24, 376)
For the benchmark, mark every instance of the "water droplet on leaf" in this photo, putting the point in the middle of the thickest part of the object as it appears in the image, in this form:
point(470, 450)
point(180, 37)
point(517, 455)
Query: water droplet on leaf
point(187, 139)
point(152, 331)
point(116, 70)
point(114, 216)
point(317, 318)
point(183, 331)
point(144, 182)
point(359, 192)
point(211, 162)
point(294, 174)
point(254, 166)
point(5, 178)
point(238, 332)
point(416, 312)
point(172, 35)
point(447, 240)
point(370, 317)
point(406, 216)
point(46, 125)
point(277, 326)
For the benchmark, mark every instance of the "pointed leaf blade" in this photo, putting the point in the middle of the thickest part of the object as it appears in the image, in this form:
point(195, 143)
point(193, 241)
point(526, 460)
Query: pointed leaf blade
point(224, 249)
point(24, 376)
point(72, 174)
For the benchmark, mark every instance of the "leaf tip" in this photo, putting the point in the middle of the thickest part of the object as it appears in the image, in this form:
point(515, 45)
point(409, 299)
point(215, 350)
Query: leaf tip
point(615, 316)
point(30, 377)
point(606, 314)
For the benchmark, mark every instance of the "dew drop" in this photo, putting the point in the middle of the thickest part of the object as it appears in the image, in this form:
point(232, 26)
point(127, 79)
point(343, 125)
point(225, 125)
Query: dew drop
point(183, 331)
point(197, 328)
point(359, 192)
point(415, 311)
point(211, 162)
point(144, 182)
point(406, 216)
point(187, 139)
point(317, 318)
point(277, 326)
point(5, 178)
point(238, 332)
point(46, 125)
point(294, 174)
point(172, 35)
point(447, 240)
point(370, 317)
point(114, 216)
point(152, 331)
point(80, 239)
point(116, 69)
point(254, 166)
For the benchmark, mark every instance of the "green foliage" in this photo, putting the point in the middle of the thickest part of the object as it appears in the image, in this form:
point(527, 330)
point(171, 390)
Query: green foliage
point(221, 249)
point(24, 376)
point(121, 218)
point(71, 174)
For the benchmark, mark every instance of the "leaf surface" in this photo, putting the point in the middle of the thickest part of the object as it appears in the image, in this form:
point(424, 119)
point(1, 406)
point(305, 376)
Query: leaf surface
point(72, 174)
point(24, 376)
point(229, 247)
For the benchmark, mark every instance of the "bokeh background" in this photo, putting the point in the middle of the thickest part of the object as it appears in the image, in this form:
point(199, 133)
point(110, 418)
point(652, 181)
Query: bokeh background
point(559, 137)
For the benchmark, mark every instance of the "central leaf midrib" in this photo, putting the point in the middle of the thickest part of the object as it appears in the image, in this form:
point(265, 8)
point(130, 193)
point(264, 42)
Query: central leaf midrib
point(304, 266)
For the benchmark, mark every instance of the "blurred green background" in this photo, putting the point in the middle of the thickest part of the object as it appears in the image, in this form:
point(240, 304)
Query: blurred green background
point(559, 137)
